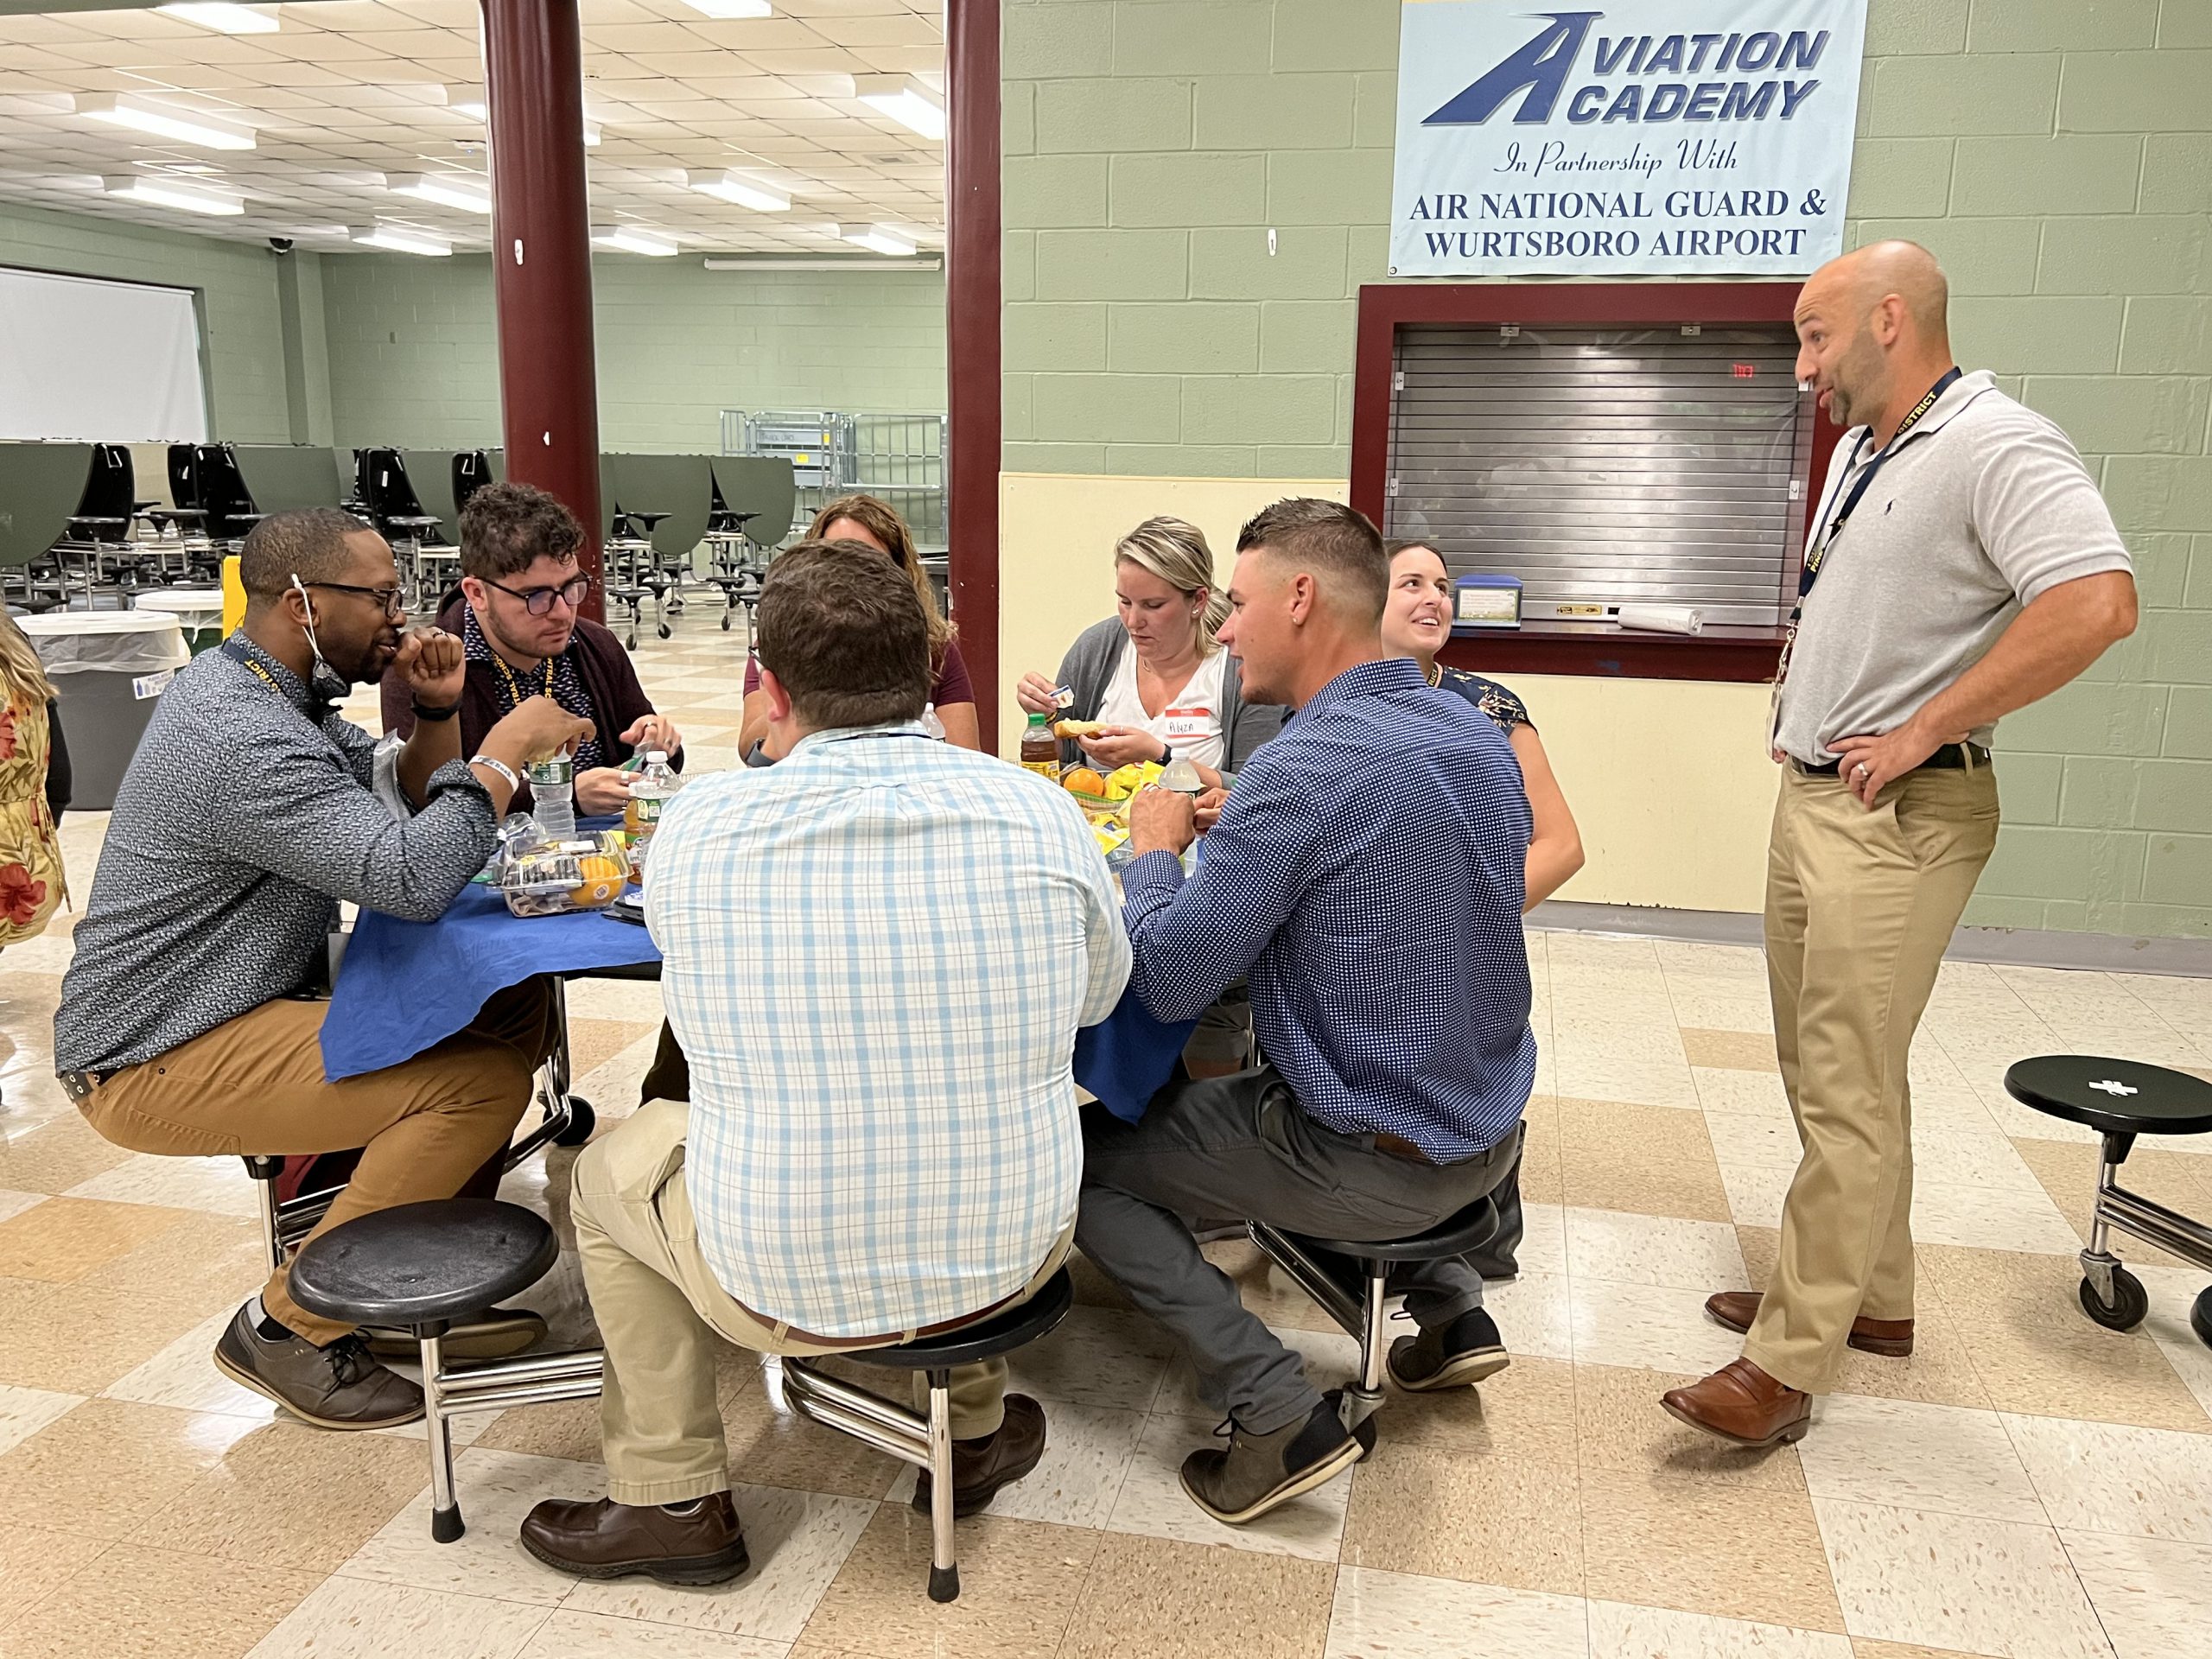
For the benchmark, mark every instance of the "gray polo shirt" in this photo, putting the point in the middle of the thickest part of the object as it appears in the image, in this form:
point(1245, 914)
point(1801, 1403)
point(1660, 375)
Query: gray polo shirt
point(246, 817)
point(1983, 507)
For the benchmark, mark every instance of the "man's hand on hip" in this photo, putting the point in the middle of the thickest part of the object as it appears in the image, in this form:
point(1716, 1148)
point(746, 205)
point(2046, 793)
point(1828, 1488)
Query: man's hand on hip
point(1161, 821)
point(1867, 763)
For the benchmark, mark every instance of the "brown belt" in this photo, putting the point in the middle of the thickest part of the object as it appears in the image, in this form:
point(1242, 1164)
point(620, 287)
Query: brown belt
point(1398, 1146)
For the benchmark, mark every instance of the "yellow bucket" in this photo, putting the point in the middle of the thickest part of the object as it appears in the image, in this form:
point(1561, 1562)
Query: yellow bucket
point(234, 596)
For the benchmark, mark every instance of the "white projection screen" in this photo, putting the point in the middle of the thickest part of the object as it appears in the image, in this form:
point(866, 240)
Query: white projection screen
point(98, 362)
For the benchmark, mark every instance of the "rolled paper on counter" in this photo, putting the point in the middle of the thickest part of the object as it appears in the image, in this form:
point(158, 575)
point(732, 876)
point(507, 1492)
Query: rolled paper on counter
point(1662, 619)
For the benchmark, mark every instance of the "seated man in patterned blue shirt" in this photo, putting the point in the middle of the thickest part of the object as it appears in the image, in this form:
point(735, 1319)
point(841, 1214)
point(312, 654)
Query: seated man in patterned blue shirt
point(1366, 871)
point(878, 951)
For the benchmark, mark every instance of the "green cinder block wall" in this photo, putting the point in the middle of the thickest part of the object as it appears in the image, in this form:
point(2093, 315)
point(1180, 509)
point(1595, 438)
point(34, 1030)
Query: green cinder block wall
point(414, 352)
point(2055, 154)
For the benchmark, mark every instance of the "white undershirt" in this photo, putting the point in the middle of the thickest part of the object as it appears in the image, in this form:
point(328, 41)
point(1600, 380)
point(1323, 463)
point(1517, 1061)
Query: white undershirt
point(1190, 723)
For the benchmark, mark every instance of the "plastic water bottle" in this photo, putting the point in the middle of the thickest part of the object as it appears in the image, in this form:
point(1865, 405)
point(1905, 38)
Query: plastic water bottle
point(930, 723)
point(553, 796)
point(649, 793)
point(1183, 778)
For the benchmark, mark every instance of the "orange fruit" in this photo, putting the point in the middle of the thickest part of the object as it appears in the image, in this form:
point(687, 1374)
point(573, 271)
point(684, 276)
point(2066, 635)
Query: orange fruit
point(1084, 781)
point(602, 882)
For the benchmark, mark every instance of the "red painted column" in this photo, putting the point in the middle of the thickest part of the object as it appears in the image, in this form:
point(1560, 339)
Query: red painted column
point(971, 305)
point(541, 256)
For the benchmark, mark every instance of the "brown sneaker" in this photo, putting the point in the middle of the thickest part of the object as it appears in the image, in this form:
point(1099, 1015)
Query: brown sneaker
point(981, 1466)
point(337, 1387)
point(601, 1539)
point(1891, 1339)
point(1260, 1472)
point(1741, 1404)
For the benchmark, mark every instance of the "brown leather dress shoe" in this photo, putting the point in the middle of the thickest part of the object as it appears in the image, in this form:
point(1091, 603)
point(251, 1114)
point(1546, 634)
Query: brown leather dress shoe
point(1743, 1405)
point(1891, 1339)
point(981, 1466)
point(606, 1540)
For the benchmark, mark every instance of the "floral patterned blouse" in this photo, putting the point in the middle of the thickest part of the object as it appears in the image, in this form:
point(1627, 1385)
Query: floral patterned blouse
point(1493, 699)
point(31, 881)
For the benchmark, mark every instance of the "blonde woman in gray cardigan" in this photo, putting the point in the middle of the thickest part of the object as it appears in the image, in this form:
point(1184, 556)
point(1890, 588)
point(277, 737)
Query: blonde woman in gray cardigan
point(1153, 676)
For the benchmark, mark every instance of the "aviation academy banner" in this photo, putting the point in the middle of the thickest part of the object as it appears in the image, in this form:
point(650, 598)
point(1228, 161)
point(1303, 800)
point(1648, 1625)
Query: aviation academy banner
point(1674, 137)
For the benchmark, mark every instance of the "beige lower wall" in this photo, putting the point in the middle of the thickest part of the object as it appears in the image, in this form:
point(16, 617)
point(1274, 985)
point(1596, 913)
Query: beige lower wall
point(1668, 778)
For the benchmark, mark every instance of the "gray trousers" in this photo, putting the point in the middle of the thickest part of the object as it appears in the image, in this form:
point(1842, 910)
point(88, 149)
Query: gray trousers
point(1243, 1146)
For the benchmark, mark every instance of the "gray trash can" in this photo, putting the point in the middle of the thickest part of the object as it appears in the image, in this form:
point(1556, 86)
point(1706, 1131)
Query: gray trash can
point(199, 612)
point(107, 668)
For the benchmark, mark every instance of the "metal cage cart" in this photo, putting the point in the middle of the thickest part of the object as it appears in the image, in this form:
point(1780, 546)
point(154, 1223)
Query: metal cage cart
point(897, 457)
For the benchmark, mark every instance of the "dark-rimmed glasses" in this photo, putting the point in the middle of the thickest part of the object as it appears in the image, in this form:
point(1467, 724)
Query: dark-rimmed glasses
point(539, 601)
point(393, 599)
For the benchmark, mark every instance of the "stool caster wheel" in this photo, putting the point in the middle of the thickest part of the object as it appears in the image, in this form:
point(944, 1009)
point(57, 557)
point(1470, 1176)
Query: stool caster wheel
point(663, 630)
point(2200, 1316)
point(446, 1525)
point(944, 1584)
point(725, 622)
point(2130, 1301)
point(583, 1120)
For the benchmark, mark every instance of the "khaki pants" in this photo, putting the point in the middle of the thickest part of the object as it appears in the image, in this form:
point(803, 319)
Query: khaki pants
point(254, 1086)
point(1860, 908)
point(660, 1307)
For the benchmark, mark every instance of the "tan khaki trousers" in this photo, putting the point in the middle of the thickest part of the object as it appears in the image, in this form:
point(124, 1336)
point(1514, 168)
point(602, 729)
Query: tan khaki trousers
point(1859, 907)
point(659, 1308)
point(254, 1086)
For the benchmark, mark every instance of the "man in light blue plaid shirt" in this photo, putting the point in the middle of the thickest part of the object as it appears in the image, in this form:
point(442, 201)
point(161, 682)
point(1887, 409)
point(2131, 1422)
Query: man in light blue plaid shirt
point(878, 952)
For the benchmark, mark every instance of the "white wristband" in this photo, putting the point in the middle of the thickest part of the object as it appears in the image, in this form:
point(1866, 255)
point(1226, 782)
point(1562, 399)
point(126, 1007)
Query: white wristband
point(499, 766)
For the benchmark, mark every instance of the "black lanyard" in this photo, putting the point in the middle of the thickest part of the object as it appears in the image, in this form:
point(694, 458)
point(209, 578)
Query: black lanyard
point(237, 652)
point(1816, 550)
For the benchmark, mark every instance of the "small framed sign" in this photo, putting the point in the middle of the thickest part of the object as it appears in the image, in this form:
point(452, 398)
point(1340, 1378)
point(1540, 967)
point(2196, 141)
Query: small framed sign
point(1486, 601)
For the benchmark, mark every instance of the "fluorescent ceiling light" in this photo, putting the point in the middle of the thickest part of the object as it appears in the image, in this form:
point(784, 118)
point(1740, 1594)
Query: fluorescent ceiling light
point(165, 120)
point(629, 239)
point(223, 18)
point(393, 239)
point(735, 187)
point(468, 101)
point(446, 189)
point(172, 193)
point(904, 100)
point(725, 9)
point(876, 239)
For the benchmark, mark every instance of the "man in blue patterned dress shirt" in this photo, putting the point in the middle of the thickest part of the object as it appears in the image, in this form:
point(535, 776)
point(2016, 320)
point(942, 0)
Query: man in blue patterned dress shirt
point(1366, 872)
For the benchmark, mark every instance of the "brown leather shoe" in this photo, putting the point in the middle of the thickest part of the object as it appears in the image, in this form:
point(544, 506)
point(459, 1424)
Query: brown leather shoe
point(981, 1466)
point(1891, 1339)
point(606, 1539)
point(1743, 1405)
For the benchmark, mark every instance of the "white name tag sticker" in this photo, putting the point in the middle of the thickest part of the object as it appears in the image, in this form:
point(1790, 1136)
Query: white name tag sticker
point(1187, 722)
point(151, 685)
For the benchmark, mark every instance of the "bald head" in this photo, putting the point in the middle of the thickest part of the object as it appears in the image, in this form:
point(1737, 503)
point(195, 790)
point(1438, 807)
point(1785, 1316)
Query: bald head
point(1872, 327)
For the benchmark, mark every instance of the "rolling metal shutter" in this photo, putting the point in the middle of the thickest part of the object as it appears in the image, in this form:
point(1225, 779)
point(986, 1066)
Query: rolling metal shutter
point(1606, 465)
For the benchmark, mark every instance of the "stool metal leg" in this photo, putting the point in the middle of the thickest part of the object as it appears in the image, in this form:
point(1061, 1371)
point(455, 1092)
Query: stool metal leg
point(445, 1524)
point(1361, 1400)
point(945, 1563)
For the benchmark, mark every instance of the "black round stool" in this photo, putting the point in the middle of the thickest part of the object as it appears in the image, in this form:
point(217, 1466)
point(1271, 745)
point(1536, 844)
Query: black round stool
point(925, 1442)
point(2121, 1099)
point(420, 1267)
point(1300, 1256)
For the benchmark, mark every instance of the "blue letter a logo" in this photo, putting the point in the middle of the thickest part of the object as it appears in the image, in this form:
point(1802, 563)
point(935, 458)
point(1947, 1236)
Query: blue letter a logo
point(1540, 67)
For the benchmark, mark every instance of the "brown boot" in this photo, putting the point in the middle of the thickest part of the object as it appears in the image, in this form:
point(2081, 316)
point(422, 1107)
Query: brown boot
point(1891, 1339)
point(606, 1540)
point(981, 1466)
point(1742, 1404)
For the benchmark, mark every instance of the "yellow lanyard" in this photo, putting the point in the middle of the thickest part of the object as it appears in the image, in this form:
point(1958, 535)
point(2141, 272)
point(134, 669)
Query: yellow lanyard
point(514, 686)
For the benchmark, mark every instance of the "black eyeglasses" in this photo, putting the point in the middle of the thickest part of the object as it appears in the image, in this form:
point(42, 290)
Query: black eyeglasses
point(539, 601)
point(393, 599)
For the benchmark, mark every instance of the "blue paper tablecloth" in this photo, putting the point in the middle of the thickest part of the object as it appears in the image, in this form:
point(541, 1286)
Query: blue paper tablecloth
point(405, 986)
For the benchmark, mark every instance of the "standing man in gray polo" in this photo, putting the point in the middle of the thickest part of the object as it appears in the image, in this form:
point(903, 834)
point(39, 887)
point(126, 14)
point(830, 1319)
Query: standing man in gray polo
point(1962, 566)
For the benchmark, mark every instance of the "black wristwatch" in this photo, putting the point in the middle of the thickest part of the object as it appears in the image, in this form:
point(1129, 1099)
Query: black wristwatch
point(1166, 752)
point(433, 714)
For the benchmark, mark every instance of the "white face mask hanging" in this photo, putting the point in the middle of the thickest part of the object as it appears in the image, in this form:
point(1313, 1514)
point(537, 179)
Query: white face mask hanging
point(325, 683)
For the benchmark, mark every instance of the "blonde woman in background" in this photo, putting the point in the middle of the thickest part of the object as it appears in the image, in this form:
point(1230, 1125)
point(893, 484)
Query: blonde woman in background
point(34, 788)
point(875, 524)
point(1152, 674)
